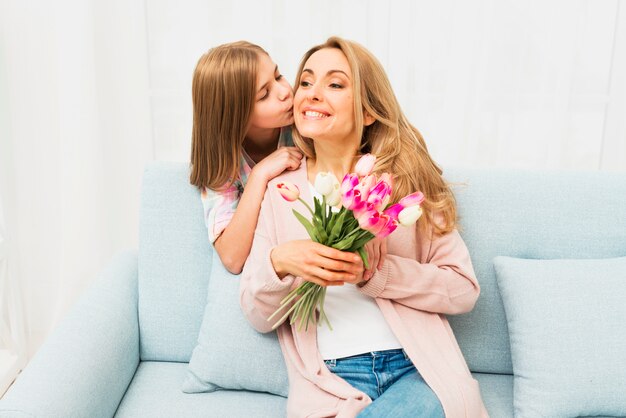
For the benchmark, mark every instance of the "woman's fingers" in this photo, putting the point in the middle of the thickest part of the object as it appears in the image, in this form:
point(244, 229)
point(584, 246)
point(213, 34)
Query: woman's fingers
point(383, 253)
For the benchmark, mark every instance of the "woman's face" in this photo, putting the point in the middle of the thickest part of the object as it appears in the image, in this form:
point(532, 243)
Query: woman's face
point(324, 101)
point(273, 106)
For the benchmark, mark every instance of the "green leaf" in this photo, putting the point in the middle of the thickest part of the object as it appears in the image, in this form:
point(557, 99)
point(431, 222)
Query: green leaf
point(322, 234)
point(337, 227)
point(361, 241)
point(331, 221)
point(363, 255)
point(345, 243)
point(307, 225)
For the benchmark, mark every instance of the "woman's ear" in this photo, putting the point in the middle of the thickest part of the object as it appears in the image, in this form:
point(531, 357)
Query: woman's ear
point(367, 118)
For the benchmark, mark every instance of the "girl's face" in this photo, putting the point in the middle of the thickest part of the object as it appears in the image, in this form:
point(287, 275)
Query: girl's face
point(273, 107)
point(324, 102)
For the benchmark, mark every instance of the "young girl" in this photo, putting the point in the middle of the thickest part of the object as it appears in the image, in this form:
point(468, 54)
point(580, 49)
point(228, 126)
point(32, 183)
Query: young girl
point(242, 110)
point(391, 352)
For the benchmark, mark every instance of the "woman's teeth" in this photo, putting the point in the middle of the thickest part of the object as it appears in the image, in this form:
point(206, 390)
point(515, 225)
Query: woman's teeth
point(314, 114)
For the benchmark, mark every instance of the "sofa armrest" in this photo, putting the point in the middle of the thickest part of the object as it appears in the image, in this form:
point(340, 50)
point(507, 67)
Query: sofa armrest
point(87, 363)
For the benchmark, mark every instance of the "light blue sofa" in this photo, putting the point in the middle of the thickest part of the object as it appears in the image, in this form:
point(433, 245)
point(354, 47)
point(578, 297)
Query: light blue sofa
point(123, 349)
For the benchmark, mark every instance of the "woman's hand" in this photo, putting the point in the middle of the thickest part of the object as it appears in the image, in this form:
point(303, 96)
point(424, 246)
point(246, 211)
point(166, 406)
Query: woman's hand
point(376, 252)
point(317, 263)
point(285, 158)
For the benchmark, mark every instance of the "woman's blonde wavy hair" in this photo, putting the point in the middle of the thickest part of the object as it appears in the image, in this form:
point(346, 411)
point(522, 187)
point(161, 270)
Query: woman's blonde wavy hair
point(399, 147)
point(223, 90)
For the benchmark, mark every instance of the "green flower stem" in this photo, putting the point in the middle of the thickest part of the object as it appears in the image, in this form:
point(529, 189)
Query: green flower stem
point(323, 316)
point(323, 210)
point(293, 307)
point(307, 206)
point(307, 303)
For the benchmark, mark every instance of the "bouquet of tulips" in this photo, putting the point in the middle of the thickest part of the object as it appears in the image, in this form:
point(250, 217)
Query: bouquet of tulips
point(364, 214)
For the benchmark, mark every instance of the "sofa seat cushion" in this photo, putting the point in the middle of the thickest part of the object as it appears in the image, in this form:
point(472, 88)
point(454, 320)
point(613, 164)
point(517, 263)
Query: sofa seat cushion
point(497, 393)
point(155, 392)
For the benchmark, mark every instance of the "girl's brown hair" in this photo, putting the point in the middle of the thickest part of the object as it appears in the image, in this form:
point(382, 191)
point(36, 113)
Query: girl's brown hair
point(223, 91)
point(399, 147)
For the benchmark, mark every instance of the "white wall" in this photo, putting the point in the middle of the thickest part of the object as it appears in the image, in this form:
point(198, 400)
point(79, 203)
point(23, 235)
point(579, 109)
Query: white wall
point(529, 84)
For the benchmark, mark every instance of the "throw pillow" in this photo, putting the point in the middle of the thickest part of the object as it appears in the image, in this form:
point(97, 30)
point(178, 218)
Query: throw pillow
point(230, 353)
point(567, 329)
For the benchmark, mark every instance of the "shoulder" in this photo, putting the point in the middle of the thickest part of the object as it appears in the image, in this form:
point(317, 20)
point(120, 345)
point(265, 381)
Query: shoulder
point(297, 177)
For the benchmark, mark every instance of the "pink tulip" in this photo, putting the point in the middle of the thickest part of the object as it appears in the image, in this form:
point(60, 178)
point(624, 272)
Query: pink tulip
point(379, 195)
point(288, 191)
point(365, 185)
point(389, 227)
point(348, 183)
point(393, 211)
point(386, 177)
point(412, 200)
point(369, 220)
point(365, 165)
point(378, 224)
point(363, 207)
point(351, 199)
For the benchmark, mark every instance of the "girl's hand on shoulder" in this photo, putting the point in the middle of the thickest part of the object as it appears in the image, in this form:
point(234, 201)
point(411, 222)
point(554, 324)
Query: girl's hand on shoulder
point(376, 252)
point(317, 263)
point(285, 158)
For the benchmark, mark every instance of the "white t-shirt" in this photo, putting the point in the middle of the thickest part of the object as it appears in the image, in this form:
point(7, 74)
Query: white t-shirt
point(358, 324)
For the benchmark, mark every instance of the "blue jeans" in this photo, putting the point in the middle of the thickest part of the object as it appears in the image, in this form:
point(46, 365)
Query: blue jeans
point(390, 379)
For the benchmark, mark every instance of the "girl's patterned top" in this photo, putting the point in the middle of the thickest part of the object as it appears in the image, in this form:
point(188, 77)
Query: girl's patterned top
point(220, 206)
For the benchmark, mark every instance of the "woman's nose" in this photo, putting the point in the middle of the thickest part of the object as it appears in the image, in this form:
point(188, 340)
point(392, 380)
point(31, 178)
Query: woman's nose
point(313, 93)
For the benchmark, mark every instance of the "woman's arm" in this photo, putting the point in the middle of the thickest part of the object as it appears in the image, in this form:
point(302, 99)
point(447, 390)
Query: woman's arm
point(271, 268)
point(446, 283)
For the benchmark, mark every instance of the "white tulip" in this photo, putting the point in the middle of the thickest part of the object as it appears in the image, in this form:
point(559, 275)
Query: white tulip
point(335, 196)
point(410, 215)
point(324, 183)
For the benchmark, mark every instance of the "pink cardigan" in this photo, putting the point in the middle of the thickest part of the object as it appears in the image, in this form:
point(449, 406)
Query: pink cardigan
point(421, 281)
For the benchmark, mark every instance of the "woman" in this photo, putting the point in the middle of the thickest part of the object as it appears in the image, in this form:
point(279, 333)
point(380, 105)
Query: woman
point(392, 351)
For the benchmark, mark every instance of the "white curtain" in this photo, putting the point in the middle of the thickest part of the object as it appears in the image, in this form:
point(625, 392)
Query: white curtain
point(515, 83)
point(76, 134)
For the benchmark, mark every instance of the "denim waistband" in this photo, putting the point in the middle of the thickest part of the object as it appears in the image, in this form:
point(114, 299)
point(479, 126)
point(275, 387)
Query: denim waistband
point(377, 353)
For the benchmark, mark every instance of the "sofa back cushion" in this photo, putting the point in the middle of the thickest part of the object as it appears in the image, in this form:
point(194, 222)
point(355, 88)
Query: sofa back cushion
point(531, 215)
point(174, 263)
point(523, 214)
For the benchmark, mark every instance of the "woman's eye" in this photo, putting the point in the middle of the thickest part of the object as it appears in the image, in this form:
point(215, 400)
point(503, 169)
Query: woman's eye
point(304, 84)
point(336, 86)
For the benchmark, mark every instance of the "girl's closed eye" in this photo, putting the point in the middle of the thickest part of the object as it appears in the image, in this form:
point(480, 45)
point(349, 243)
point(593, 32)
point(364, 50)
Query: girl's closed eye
point(267, 93)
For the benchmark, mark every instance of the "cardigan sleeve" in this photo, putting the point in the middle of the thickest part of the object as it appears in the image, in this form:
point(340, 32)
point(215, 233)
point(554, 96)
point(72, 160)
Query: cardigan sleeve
point(261, 290)
point(445, 283)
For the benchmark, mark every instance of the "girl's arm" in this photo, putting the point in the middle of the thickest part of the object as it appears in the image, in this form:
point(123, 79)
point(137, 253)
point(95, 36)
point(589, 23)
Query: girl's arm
point(234, 243)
